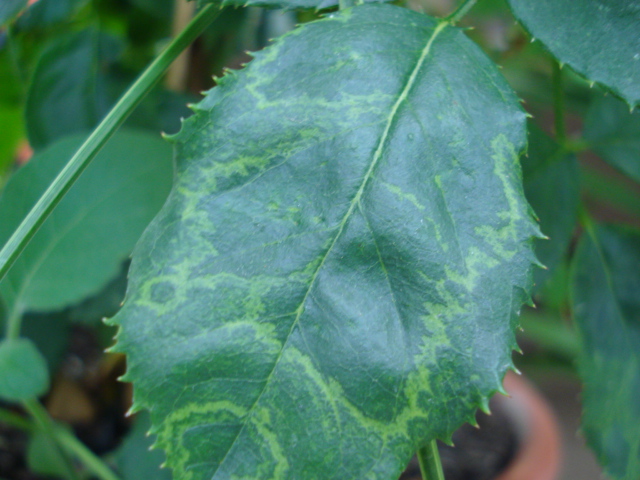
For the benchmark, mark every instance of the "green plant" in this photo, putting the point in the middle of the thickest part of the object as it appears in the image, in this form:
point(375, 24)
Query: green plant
point(335, 279)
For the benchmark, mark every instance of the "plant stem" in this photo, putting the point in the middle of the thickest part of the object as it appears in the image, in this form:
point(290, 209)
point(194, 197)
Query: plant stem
point(14, 420)
point(430, 465)
point(40, 415)
point(92, 462)
point(342, 4)
point(63, 439)
point(89, 149)
point(460, 12)
point(558, 104)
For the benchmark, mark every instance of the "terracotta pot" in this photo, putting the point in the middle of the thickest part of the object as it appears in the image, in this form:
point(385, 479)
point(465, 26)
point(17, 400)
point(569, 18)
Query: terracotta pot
point(538, 457)
point(522, 425)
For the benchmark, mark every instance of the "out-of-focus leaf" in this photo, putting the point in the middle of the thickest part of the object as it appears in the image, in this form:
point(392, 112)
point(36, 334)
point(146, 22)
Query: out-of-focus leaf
point(161, 9)
point(68, 91)
point(9, 9)
point(43, 456)
point(552, 187)
point(12, 133)
point(94, 309)
point(49, 331)
point(47, 12)
point(81, 246)
point(11, 111)
point(23, 370)
point(335, 279)
point(284, 4)
point(606, 306)
point(134, 458)
point(614, 133)
point(599, 39)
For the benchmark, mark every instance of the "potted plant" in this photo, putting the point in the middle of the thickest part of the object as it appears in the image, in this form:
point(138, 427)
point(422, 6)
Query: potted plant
point(335, 278)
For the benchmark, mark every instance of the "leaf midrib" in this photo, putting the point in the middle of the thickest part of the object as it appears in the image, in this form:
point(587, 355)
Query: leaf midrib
point(354, 202)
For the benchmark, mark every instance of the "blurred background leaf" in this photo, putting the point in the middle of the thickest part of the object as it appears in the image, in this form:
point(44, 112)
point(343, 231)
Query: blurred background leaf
point(606, 309)
point(82, 244)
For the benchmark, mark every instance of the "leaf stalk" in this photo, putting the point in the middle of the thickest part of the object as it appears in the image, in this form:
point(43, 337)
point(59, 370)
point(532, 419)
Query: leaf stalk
point(460, 12)
point(90, 148)
point(430, 464)
point(44, 421)
point(93, 463)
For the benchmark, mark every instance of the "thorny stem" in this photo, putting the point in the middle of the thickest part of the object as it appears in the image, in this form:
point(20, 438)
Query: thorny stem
point(430, 464)
point(460, 12)
point(90, 148)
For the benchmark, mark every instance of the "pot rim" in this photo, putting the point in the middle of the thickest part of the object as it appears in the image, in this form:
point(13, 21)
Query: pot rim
point(539, 452)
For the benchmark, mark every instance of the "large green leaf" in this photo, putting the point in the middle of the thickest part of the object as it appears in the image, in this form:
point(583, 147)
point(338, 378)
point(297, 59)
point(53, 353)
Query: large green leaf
point(599, 39)
point(552, 187)
point(81, 245)
point(606, 282)
point(614, 134)
point(335, 278)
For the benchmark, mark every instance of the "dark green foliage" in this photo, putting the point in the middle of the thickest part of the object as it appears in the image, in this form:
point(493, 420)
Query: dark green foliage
point(607, 313)
point(599, 39)
point(614, 134)
point(335, 278)
point(69, 91)
point(551, 184)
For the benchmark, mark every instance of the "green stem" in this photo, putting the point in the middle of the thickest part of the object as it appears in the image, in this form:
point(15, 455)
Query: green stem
point(14, 420)
point(460, 12)
point(558, 104)
point(70, 173)
point(93, 463)
point(40, 415)
point(430, 464)
point(342, 4)
point(587, 222)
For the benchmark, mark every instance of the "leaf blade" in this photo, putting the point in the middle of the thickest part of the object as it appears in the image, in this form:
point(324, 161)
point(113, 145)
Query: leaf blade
point(597, 39)
point(322, 313)
point(607, 314)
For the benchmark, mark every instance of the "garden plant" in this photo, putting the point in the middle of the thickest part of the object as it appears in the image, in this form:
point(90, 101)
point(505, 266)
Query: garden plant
point(333, 248)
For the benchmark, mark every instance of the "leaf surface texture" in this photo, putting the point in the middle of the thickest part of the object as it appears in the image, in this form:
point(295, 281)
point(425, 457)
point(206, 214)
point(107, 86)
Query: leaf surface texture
point(335, 277)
